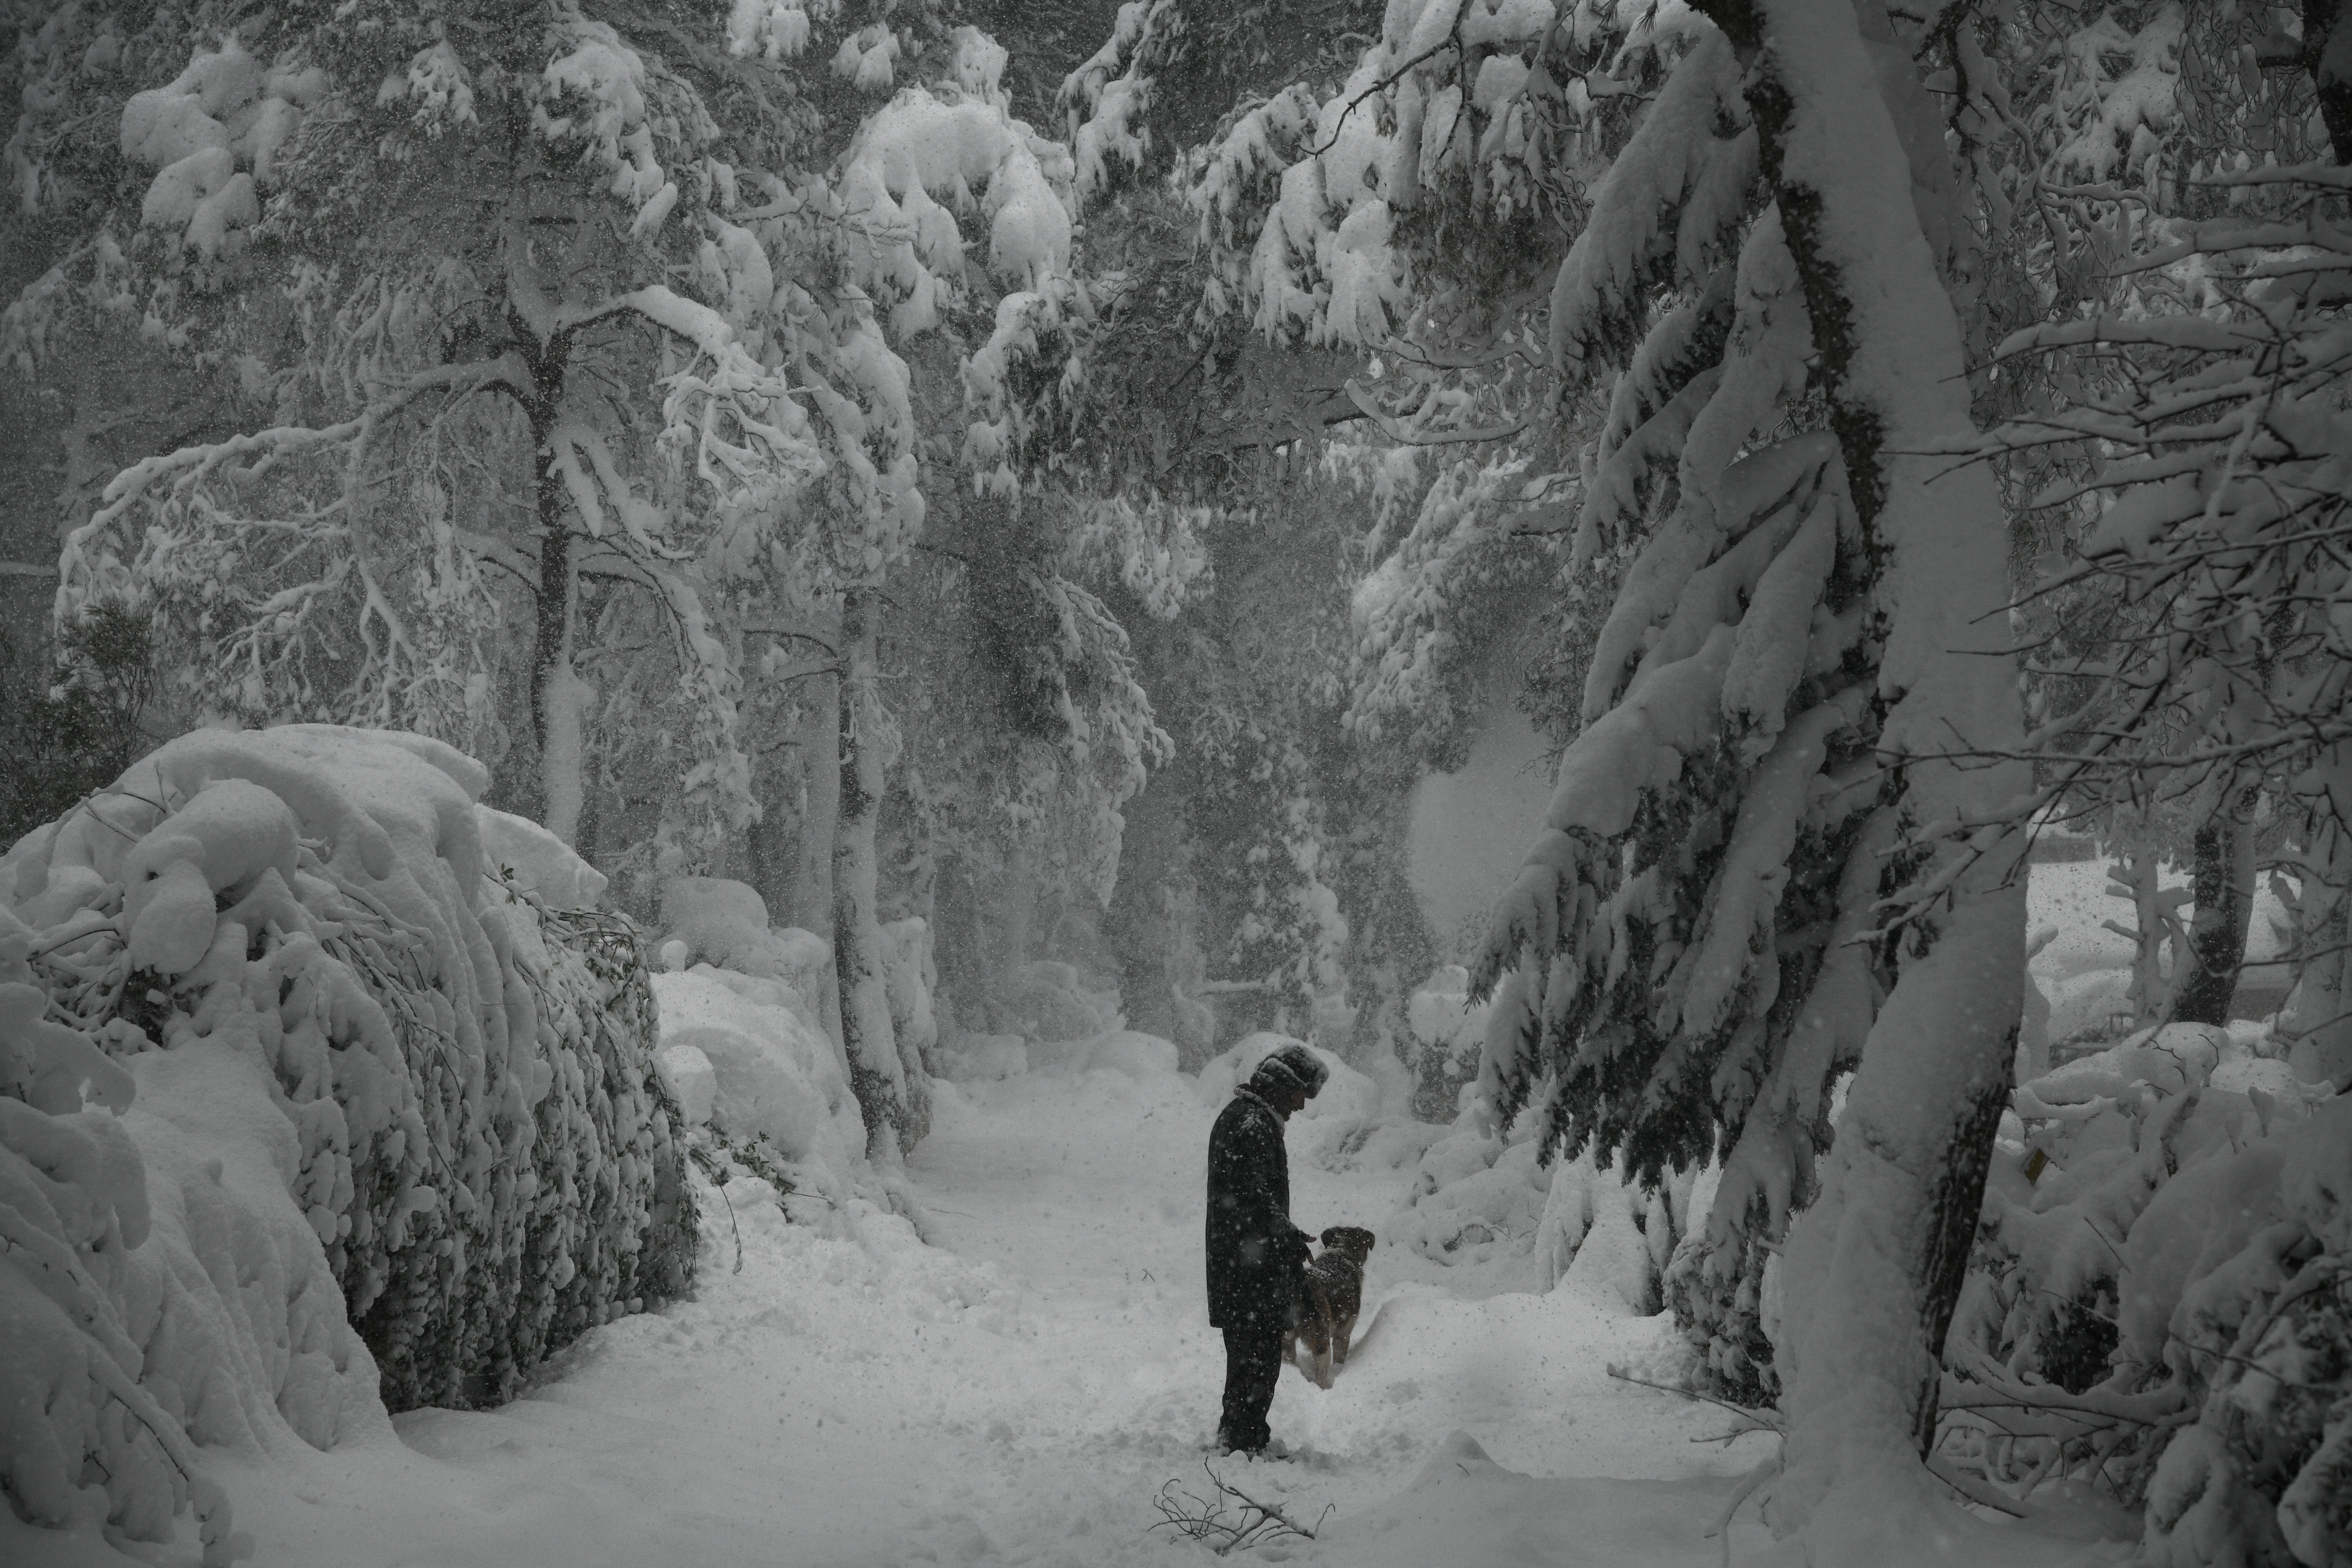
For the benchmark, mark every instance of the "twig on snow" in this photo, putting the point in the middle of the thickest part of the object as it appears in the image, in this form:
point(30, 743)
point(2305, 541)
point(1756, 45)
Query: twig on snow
point(1230, 1520)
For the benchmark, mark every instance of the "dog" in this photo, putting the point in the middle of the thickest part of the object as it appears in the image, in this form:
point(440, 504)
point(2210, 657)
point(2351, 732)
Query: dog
point(1330, 1295)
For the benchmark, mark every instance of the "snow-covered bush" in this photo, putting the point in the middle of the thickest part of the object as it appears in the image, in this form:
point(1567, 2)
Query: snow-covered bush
point(479, 1148)
point(1474, 1195)
point(714, 921)
point(2160, 1295)
point(969, 1058)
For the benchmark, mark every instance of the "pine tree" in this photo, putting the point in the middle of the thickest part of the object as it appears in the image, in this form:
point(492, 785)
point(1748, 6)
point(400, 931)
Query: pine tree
point(1764, 866)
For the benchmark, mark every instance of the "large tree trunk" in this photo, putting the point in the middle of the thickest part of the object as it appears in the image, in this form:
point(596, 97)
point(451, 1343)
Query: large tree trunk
point(868, 1038)
point(2224, 857)
point(1853, 144)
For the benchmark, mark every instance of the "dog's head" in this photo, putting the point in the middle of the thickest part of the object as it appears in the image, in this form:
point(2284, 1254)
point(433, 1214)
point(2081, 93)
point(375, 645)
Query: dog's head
point(1351, 1242)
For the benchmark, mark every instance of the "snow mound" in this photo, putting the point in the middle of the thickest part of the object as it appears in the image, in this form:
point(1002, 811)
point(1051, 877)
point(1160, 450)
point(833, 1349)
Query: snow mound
point(1048, 1002)
point(1136, 1054)
point(1472, 1195)
point(725, 924)
point(692, 1081)
point(1332, 1129)
point(1347, 1095)
point(984, 1058)
point(539, 862)
point(771, 1073)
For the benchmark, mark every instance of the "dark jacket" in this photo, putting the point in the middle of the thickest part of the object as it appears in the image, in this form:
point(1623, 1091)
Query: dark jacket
point(1255, 1254)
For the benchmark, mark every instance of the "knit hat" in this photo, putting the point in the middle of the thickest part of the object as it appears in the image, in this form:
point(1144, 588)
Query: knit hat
point(1290, 1067)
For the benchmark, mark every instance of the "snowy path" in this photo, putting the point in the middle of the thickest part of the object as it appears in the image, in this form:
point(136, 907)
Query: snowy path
point(1018, 1398)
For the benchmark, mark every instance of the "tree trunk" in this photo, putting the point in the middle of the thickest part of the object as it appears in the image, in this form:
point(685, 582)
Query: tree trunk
point(768, 843)
point(2317, 1018)
point(811, 907)
point(556, 691)
point(2327, 49)
point(1875, 1267)
point(867, 1039)
point(2224, 854)
point(2137, 874)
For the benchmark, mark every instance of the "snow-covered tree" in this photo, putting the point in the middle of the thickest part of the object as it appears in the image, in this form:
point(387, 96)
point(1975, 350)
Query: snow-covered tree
point(1765, 867)
point(569, 387)
point(2217, 506)
point(652, 405)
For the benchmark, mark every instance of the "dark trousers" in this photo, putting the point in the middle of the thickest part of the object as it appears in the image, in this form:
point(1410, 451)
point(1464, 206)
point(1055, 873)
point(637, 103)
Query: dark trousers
point(1253, 1348)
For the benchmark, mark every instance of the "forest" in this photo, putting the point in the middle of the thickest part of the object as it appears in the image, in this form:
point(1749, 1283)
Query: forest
point(685, 681)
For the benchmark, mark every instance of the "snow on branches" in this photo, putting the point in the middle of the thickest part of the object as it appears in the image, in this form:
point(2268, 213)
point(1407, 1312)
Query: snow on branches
point(1103, 100)
point(2187, 638)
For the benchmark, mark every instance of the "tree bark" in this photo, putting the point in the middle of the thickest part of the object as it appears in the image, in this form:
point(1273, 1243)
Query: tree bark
point(868, 1037)
point(768, 843)
point(2137, 874)
point(2224, 857)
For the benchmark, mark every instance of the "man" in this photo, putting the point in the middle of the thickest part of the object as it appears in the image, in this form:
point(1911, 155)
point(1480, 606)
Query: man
point(1255, 1254)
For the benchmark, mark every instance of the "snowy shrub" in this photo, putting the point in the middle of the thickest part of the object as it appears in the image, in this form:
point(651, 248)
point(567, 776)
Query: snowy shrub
point(1472, 1195)
point(479, 1149)
point(969, 1059)
point(528, 857)
point(2160, 1297)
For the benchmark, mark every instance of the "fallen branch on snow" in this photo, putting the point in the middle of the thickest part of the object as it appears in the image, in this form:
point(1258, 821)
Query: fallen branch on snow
point(1230, 1520)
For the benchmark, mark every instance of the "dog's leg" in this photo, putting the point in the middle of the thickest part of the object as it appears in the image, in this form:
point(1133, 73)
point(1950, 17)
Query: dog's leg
point(1343, 1339)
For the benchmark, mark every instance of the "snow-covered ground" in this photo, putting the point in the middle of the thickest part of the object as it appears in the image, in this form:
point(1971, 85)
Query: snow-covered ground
point(1021, 1391)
